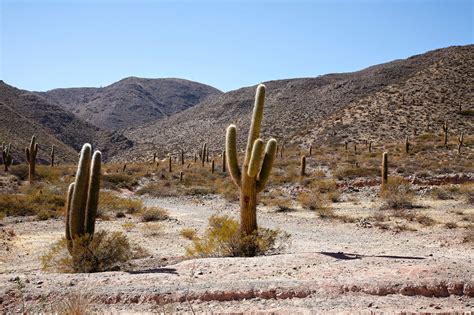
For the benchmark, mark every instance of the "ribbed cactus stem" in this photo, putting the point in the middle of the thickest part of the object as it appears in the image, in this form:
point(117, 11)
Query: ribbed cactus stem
point(370, 147)
point(203, 154)
point(384, 168)
point(181, 176)
point(212, 166)
point(83, 196)
point(445, 130)
point(355, 148)
point(345, 144)
point(407, 145)
point(154, 157)
point(256, 167)
point(170, 164)
point(303, 166)
point(31, 158)
point(182, 157)
point(6, 156)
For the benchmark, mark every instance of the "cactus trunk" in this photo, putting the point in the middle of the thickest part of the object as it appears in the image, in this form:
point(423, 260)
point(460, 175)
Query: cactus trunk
point(31, 158)
point(384, 169)
point(303, 166)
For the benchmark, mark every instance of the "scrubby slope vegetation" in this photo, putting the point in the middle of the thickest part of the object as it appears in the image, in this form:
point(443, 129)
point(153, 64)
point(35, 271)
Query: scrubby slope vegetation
point(390, 100)
point(25, 114)
point(130, 102)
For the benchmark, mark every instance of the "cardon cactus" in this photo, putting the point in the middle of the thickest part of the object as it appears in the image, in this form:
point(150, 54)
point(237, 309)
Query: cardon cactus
point(384, 169)
point(6, 156)
point(256, 168)
point(303, 166)
point(83, 197)
point(445, 131)
point(460, 142)
point(52, 155)
point(407, 145)
point(31, 158)
point(223, 161)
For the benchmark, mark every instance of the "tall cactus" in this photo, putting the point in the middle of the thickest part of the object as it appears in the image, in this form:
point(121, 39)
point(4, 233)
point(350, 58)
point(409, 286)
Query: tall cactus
point(170, 169)
point(255, 173)
point(384, 169)
point(6, 156)
point(407, 145)
point(223, 161)
point(303, 166)
point(445, 131)
point(83, 197)
point(31, 158)
point(52, 155)
point(203, 153)
point(182, 157)
point(460, 142)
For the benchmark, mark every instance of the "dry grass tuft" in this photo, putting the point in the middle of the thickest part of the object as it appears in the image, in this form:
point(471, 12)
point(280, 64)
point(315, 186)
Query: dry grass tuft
point(154, 214)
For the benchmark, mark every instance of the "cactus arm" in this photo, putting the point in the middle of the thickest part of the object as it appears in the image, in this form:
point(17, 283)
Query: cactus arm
point(79, 197)
point(231, 149)
point(27, 153)
point(267, 164)
point(70, 192)
point(256, 158)
point(93, 195)
point(257, 115)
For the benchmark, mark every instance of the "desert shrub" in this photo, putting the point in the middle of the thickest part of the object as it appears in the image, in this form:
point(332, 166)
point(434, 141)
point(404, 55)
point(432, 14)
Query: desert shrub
point(154, 214)
point(397, 194)
point(284, 205)
point(118, 180)
point(334, 196)
point(19, 171)
point(109, 201)
point(72, 304)
point(313, 200)
point(106, 251)
point(351, 172)
point(441, 193)
point(128, 226)
point(468, 236)
point(222, 238)
point(152, 228)
point(188, 233)
point(467, 191)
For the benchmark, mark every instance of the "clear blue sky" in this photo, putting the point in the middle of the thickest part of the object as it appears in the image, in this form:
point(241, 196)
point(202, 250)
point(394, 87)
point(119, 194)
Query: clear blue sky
point(227, 44)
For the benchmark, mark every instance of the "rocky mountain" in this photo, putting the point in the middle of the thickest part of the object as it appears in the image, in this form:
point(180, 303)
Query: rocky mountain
point(380, 103)
point(24, 114)
point(130, 102)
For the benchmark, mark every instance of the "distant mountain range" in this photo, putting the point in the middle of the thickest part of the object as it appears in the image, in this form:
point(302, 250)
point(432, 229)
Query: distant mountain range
point(381, 103)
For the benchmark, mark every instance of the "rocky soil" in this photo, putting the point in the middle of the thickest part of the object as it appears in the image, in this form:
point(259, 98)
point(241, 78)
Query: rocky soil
point(328, 266)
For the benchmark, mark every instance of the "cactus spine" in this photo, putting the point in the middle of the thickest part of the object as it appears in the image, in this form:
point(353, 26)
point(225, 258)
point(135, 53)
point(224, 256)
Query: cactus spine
point(52, 155)
point(83, 197)
point(31, 158)
point(384, 168)
point(6, 156)
point(460, 141)
point(303, 166)
point(255, 173)
point(445, 130)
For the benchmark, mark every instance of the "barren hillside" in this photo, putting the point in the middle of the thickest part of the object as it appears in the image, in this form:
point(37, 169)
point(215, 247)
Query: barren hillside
point(25, 114)
point(414, 96)
point(130, 102)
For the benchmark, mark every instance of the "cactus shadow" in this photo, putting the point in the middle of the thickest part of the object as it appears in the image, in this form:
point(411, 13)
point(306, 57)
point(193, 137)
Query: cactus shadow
point(348, 256)
point(154, 270)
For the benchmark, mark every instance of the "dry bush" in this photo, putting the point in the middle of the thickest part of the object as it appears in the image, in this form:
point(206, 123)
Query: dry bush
point(72, 305)
point(414, 216)
point(468, 236)
point(19, 171)
point(152, 228)
point(222, 238)
point(128, 226)
point(351, 172)
point(188, 233)
point(313, 200)
point(106, 251)
point(467, 191)
point(109, 201)
point(441, 193)
point(397, 194)
point(154, 214)
point(43, 201)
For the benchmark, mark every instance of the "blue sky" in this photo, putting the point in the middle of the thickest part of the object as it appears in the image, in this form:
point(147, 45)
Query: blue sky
point(226, 44)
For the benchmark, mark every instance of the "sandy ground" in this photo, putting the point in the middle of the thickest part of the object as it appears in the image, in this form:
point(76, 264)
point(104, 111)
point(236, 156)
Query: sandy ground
point(328, 266)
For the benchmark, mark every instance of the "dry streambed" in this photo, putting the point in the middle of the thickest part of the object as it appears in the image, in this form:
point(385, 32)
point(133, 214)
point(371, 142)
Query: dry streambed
point(329, 266)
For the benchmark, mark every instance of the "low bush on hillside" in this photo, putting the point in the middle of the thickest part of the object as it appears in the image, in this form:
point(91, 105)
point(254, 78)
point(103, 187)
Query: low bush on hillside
point(397, 194)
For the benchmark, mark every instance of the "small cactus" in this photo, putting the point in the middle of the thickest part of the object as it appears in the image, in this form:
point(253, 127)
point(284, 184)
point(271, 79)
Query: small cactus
point(345, 145)
point(6, 156)
point(212, 166)
point(31, 158)
point(253, 176)
point(370, 146)
point(181, 176)
point(182, 157)
point(52, 155)
point(384, 169)
point(355, 148)
point(407, 145)
point(223, 161)
point(170, 164)
point(310, 150)
point(303, 166)
point(460, 142)
point(445, 131)
point(195, 157)
point(154, 157)
point(83, 197)
point(203, 154)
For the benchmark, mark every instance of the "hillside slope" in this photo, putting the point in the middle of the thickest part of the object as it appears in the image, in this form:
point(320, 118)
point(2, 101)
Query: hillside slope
point(25, 114)
point(130, 102)
point(414, 95)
